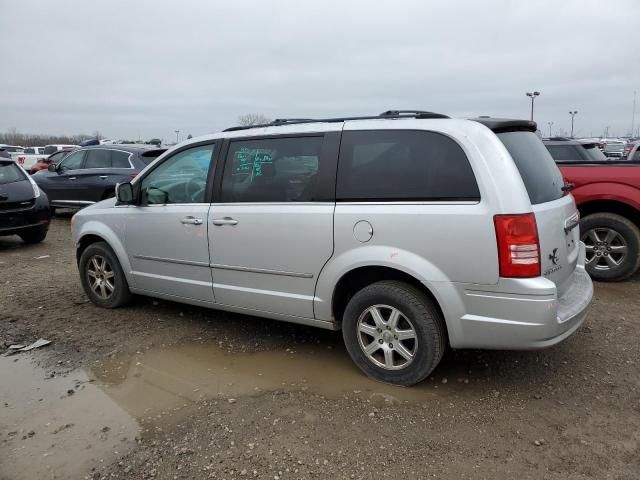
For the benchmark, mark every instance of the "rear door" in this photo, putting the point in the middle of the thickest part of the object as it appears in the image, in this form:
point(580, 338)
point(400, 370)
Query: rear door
point(271, 231)
point(102, 169)
point(556, 212)
point(61, 186)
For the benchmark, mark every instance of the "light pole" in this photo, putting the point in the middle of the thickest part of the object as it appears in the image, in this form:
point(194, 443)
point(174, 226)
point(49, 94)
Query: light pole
point(533, 96)
point(573, 114)
point(177, 133)
point(550, 124)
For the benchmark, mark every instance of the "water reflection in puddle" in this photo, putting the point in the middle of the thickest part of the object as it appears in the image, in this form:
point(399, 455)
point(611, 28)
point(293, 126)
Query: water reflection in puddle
point(161, 379)
point(57, 427)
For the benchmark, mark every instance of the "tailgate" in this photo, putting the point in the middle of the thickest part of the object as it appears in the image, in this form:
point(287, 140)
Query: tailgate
point(559, 236)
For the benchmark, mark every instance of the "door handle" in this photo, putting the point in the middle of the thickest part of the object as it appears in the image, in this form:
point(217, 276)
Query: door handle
point(191, 221)
point(104, 177)
point(225, 221)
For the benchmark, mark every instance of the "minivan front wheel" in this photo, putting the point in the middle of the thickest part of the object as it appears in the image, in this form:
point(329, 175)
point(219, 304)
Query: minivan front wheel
point(102, 277)
point(394, 333)
point(612, 246)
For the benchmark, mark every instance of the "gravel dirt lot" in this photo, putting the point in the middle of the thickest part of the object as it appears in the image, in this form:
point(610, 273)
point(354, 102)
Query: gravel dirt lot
point(163, 390)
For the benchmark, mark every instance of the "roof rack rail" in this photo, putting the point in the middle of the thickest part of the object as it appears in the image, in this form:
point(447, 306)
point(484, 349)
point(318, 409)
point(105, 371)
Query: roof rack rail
point(418, 114)
point(415, 113)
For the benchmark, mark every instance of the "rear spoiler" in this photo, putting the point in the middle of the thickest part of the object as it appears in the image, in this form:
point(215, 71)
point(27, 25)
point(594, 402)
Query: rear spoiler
point(501, 125)
point(154, 153)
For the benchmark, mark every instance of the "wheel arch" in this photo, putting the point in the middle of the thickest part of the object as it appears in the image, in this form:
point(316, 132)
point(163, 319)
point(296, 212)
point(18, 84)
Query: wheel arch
point(91, 235)
point(359, 277)
point(610, 206)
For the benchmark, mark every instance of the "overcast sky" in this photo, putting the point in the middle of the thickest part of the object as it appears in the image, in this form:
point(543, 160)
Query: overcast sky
point(142, 69)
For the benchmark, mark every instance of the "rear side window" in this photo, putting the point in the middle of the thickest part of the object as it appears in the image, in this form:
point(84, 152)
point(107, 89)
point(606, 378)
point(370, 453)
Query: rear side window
point(120, 159)
point(539, 172)
point(272, 170)
point(10, 172)
point(403, 165)
point(98, 158)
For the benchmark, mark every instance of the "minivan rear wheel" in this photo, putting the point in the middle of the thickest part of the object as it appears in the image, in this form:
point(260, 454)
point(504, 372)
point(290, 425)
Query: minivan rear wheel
point(612, 246)
point(394, 332)
point(102, 277)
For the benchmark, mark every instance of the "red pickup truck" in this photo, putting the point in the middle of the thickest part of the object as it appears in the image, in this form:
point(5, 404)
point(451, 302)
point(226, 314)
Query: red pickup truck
point(607, 192)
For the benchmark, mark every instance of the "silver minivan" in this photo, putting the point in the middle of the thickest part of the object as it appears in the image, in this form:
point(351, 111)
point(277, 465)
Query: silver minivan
point(409, 231)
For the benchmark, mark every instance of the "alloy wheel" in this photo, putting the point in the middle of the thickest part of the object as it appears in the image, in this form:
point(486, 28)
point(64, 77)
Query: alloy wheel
point(387, 337)
point(100, 276)
point(605, 248)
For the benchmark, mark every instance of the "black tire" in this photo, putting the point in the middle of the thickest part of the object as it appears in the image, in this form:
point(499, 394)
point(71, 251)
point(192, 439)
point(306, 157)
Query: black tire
point(629, 235)
point(116, 297)
point(420, 314)
point(34, 236)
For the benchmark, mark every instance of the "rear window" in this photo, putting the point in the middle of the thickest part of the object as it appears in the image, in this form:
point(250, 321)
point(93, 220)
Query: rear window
point(614, 147)
point(576, 153)
point(539, 172)
point(403, 165)
point(594, 153)
point(10, 172)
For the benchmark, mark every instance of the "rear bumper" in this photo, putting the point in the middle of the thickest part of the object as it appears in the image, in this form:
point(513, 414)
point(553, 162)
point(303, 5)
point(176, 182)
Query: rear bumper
point(529, 315)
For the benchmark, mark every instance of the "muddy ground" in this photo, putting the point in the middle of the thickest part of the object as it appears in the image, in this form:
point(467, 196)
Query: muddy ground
point(163, 390)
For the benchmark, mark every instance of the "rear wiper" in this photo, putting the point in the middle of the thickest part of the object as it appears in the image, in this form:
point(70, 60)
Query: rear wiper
point(567, 187)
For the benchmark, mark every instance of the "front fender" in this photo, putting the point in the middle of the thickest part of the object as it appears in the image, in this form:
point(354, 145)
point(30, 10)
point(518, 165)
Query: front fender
point(112, 235)
point(372, 256)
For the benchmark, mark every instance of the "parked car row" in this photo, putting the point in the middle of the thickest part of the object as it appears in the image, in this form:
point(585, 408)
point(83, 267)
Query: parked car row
point(87, 175)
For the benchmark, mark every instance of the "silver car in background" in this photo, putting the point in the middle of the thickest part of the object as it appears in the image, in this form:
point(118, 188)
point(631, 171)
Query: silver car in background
point(410, 231)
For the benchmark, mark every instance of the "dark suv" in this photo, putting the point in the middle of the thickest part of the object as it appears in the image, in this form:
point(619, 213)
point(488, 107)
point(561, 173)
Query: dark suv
point(90, 174)
point(566, 150)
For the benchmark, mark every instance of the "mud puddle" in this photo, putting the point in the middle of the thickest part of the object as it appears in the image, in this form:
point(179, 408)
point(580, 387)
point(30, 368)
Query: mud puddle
point(161, 380)
point(71, 426)
point(60, 427)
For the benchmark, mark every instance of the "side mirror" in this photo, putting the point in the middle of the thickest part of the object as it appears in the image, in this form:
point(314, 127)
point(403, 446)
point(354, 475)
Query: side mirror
point(124, 193)
point(52, 167)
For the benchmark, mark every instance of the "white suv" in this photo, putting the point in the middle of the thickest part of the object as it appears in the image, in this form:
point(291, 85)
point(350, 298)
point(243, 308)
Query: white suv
point(410, 231)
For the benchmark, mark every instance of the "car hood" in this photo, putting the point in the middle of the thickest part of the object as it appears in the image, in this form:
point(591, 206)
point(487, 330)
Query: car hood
point(16, 191)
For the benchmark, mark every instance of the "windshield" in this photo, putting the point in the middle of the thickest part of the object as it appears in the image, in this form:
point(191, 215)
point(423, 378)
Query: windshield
point(539, 172)
point(10, 172)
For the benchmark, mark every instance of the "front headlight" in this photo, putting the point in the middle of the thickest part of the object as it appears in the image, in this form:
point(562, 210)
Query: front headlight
point(36, 189)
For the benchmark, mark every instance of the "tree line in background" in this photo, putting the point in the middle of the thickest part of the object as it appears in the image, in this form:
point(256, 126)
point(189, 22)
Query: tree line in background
point(13, 137)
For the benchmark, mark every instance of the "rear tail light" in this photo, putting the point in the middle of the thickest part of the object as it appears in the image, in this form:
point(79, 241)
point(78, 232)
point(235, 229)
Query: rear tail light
point(518, 245)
